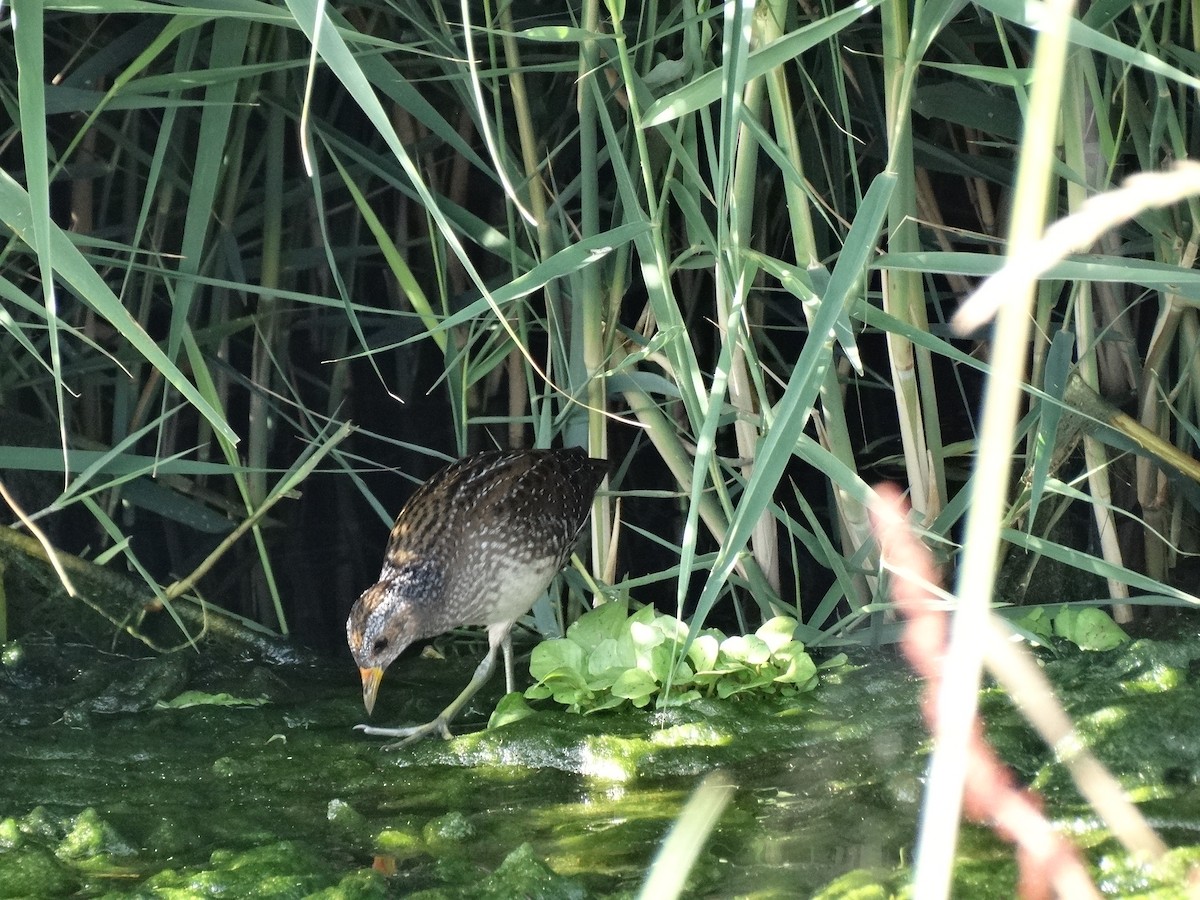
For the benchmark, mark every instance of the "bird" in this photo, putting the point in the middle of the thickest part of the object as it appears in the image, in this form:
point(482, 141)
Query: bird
point(476, 544)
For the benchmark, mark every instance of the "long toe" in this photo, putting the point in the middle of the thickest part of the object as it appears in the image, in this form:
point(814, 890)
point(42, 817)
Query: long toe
point(419, 732)
point(410, 734)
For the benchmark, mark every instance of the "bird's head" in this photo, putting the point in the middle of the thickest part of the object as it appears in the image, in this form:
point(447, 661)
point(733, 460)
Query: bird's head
point(384, 621)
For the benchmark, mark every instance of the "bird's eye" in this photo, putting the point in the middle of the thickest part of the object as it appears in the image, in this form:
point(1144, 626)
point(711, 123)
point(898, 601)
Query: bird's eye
point(379, 646)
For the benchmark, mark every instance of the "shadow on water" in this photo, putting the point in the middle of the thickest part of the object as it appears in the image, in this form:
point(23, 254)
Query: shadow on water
point(106, 793)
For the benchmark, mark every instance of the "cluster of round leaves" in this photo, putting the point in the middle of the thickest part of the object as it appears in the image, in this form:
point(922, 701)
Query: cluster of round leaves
point(609, 658)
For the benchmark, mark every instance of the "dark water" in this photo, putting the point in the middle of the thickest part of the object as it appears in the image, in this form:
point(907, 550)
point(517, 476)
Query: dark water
point(102, 793)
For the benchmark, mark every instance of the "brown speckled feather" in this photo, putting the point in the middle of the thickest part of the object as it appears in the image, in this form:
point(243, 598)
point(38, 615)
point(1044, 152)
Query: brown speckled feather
point(475, 545)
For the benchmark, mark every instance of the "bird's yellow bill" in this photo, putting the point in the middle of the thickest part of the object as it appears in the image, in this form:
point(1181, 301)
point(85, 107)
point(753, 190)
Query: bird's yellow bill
point(370, 679)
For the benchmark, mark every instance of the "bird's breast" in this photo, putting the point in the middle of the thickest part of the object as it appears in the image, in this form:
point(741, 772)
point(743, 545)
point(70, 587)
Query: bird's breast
point(492, 588)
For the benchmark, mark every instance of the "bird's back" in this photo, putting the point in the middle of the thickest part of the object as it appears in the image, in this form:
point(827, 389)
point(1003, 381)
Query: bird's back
point(497, 526)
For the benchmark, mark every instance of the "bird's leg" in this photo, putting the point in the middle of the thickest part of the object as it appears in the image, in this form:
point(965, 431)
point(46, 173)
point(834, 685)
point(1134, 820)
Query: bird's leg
point(506, 647)
point(441, 724)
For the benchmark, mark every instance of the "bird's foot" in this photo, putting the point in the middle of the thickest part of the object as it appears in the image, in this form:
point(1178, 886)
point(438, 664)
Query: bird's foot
point(410, 735)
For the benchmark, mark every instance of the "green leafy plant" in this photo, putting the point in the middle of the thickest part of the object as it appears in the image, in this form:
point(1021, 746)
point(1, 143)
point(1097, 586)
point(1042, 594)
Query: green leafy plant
point(609, 657)
point(1088, 628)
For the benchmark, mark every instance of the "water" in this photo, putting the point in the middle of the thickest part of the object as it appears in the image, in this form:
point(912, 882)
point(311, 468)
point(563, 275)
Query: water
point(103, 794)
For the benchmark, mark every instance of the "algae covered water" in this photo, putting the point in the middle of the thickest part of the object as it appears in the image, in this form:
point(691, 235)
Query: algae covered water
point(197, 775)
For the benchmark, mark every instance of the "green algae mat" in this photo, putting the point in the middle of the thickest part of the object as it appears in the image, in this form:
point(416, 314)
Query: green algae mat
point(197, 774)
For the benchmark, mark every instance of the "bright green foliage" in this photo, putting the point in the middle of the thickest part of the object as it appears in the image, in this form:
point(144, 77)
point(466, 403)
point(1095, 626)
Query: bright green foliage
point(609, 657)
point(1088, 628)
